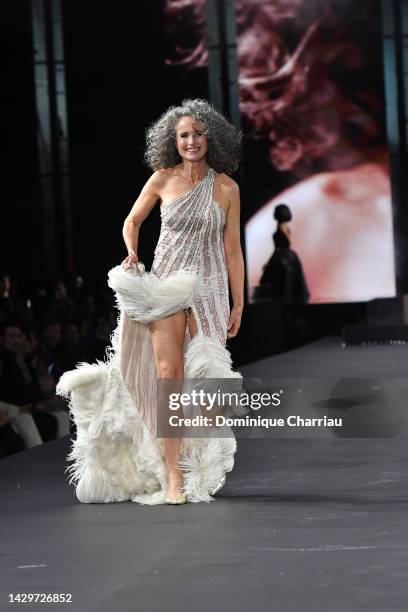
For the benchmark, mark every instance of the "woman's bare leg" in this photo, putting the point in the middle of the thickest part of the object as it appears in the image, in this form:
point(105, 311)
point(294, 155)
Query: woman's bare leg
point(167, 336)
point(192, 325)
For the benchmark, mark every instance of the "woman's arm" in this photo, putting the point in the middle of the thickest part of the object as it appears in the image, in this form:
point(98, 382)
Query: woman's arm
point(148, 197)
point(235, 260)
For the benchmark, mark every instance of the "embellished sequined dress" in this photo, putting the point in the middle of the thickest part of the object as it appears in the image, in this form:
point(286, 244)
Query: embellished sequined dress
point(117, 455)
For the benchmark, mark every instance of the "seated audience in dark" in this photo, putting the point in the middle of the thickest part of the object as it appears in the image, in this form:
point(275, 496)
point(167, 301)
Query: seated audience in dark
point(49, 348)
point(10, 441)
point(44, 333)
point(19, 383)
point(72, 349)
point(63, 305)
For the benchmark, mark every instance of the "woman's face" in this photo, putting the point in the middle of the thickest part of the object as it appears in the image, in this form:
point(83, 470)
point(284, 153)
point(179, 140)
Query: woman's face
point(191, 142)
point(14, 340)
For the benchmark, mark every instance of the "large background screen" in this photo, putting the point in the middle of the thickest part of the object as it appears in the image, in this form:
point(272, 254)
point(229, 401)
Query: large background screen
point(313, 112)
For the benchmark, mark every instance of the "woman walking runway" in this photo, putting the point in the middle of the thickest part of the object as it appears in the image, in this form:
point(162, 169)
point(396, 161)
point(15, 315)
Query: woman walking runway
point(173, 323)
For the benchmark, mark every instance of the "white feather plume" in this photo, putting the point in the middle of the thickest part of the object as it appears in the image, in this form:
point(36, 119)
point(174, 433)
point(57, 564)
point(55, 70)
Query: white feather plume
point(146, 298)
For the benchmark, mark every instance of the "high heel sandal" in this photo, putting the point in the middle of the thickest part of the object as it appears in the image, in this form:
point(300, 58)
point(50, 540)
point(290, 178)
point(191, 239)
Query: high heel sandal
point(180, 499)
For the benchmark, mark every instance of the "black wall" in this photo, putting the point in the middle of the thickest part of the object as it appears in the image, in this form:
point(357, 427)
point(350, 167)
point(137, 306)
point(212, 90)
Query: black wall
point(20, 220)
point(117, 84)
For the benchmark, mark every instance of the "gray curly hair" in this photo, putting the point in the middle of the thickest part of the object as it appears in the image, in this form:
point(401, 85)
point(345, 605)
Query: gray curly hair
point(224, 139)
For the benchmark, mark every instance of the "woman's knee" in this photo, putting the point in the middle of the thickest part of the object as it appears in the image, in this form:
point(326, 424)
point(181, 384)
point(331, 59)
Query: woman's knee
point(169, 369)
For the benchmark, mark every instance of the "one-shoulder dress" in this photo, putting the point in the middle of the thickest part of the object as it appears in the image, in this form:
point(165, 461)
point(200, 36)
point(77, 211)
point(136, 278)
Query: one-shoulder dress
point(116, 455)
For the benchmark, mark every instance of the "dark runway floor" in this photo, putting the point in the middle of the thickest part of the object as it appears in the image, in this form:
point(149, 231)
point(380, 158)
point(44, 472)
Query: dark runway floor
point(301, 525)
point(328, 357)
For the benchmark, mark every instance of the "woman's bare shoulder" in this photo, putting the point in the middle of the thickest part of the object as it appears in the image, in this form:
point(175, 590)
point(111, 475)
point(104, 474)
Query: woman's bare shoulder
point(160, 178)
point(227, 185)
point(226, 180)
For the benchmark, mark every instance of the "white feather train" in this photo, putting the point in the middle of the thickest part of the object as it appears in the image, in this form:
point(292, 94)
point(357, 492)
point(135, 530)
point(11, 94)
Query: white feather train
point(114, 456)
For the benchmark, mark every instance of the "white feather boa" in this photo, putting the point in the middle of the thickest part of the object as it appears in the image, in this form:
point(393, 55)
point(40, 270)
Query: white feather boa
point(114, 457)
point(145, 297)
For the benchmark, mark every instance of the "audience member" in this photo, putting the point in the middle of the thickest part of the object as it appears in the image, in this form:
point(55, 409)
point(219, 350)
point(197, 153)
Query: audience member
point(18, 379)
point(41, 337)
